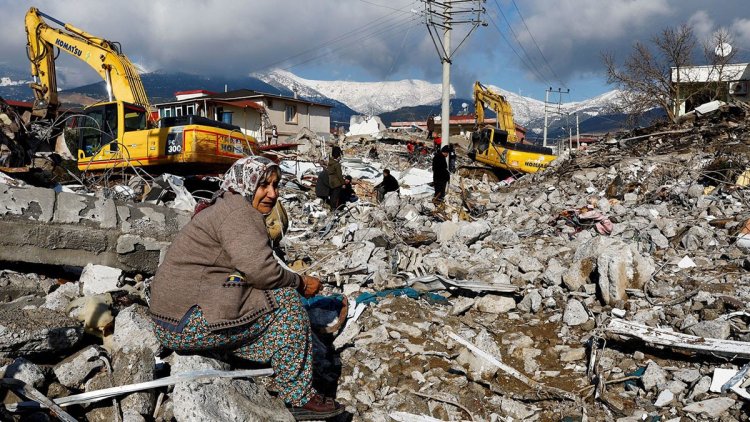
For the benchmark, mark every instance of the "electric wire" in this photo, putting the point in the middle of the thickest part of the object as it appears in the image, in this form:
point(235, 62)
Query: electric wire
point(393, 29)
point(346, 36)
point(557, 78)
point(523, 61)
point(526, 53)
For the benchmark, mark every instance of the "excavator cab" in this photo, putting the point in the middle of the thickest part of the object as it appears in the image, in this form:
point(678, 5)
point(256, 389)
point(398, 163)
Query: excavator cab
point(101, 125)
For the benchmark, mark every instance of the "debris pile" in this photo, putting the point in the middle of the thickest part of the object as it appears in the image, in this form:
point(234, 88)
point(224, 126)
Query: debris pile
point(613, 286)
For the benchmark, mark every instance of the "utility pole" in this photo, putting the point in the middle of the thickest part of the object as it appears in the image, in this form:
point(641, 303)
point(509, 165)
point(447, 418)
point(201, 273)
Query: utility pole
point(442, 16)
point(560, 92)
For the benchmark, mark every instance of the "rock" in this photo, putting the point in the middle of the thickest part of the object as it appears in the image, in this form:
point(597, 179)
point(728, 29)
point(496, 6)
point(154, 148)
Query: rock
point(32, 332)
point(446, 231)
point(504, 236)
point(60, 298)
point(664, 398)
point(133, 330)
point(575, 313)
point(461, 304)
point(98, 279)
point(516, 409)
point(471, 232)
point(578, 273)
point(221, 398)
point(720, 329)
point(532, 302)
point(711, 408)
point(572, 355)
point(73, 370)
point(701, 387)
point(22, 369)
point(687, 375)
point(494, 304)
point(134, 365)
point(552, 276)
point(530, 264)
point(615, 268)
point(653, 376)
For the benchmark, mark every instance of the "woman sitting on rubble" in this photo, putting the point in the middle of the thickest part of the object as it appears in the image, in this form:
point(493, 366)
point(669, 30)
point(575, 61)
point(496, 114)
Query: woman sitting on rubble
point(220, 288)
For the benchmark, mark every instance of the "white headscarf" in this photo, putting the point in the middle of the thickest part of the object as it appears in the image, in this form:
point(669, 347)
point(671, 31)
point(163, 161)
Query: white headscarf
point(246, 174)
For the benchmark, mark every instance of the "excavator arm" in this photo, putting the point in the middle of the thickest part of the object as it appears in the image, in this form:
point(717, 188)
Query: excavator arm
point(484, 97)
point(123, 81)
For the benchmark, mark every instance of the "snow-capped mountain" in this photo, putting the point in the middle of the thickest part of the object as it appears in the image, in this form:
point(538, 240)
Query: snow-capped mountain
point(363, 97)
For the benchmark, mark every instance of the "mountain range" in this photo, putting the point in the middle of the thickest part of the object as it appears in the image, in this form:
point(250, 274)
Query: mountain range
point(408, 99)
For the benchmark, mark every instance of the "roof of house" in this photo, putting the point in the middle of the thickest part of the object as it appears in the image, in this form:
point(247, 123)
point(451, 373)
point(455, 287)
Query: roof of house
point(238, 94)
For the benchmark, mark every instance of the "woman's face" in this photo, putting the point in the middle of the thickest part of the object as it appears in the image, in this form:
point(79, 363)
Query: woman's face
point(266, 194)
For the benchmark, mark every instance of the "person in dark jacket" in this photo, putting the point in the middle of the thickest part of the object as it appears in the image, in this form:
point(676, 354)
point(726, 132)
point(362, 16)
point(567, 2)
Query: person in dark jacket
point(347, 191)
point(335, 177)
point(220, 289)
point(430, 126)
point(440, 174)
point(322, 188)
point(452, 157)
point(389, 184)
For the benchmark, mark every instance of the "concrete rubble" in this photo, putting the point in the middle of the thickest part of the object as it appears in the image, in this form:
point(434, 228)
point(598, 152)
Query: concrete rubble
point(504, 303)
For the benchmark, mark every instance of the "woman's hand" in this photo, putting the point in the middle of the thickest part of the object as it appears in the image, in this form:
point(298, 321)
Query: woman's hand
point(308, 286)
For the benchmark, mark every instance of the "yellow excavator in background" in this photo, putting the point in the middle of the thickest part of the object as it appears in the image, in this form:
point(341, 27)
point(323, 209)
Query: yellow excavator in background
point(120, 132)
point(499, 146)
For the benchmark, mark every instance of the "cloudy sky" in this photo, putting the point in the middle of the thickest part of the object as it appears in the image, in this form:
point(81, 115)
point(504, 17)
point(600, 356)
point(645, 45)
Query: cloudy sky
point(526, 47)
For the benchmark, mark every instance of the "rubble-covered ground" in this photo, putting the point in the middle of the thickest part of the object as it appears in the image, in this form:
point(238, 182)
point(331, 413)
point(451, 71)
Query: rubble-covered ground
point(613, 286)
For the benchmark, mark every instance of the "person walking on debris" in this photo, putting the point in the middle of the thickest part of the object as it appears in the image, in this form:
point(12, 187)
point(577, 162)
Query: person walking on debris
point(322, 188)
point(451, 157)
point(274, 135)
point(335, 177)
point(389, 184)
point(373, 153)
point(221, 289)
point(430, 126)
point(440, 174)
point(347, 191)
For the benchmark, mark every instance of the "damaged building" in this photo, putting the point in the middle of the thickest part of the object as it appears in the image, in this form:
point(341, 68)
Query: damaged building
point(614, 285)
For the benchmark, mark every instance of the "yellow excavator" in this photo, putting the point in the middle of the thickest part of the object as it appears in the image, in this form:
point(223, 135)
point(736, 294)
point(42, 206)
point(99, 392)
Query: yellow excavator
point(499, 147)
point(120, 132)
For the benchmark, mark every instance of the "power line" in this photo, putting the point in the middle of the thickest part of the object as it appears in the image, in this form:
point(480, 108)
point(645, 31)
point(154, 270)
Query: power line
point(537, 45)
point(526, 53)
point(393, 29)
point(339, 38)
point(530, 68)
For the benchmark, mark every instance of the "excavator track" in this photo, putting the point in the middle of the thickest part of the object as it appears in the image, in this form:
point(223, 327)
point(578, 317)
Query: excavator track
point(486, 174)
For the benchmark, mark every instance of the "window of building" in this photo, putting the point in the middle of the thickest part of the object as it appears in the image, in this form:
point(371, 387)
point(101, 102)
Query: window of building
point(290, 115)
point(166, 112)
point(190, 109)
point(178, 111)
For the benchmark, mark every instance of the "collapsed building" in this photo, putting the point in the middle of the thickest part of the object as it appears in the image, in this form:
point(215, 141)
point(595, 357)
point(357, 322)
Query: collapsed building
point(612, 286)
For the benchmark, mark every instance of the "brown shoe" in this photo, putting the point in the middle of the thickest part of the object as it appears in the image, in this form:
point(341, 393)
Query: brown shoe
point(317, 408)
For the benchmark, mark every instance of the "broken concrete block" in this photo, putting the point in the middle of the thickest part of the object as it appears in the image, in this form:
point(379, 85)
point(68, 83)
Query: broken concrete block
point(221, 398)
point(494, 304)
point(22, 369)
point(653, 376)
point(33, 203)
point(665, 397)
point(73, 370)
point(504, 236)
point(717, 328)
point(98, 279)
point(133, 330)
point(132, 366)
point(516, 409)
point(687, 375)
point(532, 302)
point(575, 314)
point(60, 298)
point(552, 275)
point(69, 207)
point(468, 233)
point(572, 355)
point(578, 273)
point(461, 304)
point(615, 268)
point(32, 332)
point(530, 264)
point(711, 408)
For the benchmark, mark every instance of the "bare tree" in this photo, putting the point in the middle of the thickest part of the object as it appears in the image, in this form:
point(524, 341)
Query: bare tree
point(719, 53)
point(645, 77)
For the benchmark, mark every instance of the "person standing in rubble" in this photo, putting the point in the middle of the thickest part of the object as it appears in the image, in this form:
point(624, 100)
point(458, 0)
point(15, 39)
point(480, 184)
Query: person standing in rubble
point(440, 174)
point(389, 184)
point(274, 135)
point(452, 157)
point(220, 288)
point(430, 126)
point(335, 177)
